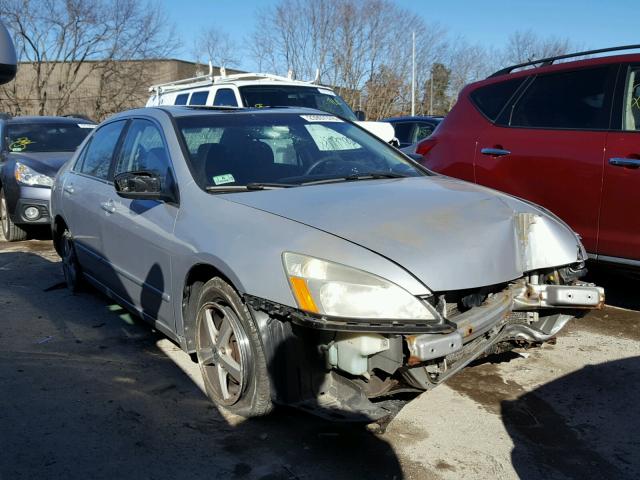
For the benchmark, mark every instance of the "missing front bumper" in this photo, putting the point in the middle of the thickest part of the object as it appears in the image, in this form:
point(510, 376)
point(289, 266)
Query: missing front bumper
point(496, 314)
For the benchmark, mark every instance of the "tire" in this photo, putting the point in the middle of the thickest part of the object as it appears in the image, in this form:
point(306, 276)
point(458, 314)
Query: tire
point(11, 231)
point(70, 265)
point(230, 353)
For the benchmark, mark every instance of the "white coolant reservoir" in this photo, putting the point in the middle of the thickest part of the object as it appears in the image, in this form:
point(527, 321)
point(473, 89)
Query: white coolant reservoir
point(350, 351)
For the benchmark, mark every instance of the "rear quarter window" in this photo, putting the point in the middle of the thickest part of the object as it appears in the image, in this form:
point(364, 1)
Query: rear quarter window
point(491, 99)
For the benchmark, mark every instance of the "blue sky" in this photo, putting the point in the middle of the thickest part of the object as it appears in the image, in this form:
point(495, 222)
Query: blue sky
point(591, 23)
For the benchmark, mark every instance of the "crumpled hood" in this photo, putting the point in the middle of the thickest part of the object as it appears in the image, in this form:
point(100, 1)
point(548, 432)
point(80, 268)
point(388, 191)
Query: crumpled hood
point(450, 234)
point(43, 162)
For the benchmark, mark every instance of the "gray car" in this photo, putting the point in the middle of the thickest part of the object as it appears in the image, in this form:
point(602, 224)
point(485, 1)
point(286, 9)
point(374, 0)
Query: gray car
point(32, 149)
point(305, 262)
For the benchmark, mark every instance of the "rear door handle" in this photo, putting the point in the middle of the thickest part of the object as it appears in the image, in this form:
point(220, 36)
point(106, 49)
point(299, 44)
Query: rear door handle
point(495, 152)
point(69, 189)
point(625, 162)
point(108, 206)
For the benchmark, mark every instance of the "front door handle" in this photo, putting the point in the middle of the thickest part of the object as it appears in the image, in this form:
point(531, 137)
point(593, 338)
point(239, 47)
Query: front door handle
point(69, 189)
point(108, 206)
point(495, 152)
point(625, 162)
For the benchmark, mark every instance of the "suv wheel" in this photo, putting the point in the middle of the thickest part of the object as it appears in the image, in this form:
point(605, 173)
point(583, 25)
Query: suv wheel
point(11, 231)
point(70, 266)
point(230, 353)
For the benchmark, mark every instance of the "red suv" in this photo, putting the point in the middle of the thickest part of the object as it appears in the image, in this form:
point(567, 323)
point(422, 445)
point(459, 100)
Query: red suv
point(565, 136)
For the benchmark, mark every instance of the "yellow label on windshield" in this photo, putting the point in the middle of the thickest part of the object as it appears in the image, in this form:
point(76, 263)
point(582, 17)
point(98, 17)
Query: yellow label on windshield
point(20, 144)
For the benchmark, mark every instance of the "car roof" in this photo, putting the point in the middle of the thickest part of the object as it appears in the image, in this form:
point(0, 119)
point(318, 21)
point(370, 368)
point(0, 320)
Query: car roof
point(179, 111)
point(559, 67)
point(46, 119)
point(408, 118)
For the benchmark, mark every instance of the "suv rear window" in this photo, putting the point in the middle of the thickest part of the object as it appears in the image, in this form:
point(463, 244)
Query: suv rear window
point(491, 99)
point(572, 100)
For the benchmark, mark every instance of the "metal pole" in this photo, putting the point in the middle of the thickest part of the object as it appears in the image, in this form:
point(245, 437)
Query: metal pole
point(431, 92)
point(413, 75)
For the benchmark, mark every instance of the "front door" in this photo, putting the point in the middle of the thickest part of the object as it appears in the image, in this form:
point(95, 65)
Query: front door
point(548, 146)
point(620, 220)
point(138, 236)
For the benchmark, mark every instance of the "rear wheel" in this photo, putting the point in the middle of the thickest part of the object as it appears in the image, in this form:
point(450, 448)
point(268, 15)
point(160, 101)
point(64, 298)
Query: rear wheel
point(11, 231)
point(230, 353)
point(70, 266)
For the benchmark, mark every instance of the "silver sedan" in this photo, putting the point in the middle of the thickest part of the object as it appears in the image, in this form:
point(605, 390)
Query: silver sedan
point(305, 262)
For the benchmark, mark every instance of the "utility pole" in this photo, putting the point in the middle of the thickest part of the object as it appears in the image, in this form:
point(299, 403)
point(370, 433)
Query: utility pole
point(431, 92)
point(413, 75)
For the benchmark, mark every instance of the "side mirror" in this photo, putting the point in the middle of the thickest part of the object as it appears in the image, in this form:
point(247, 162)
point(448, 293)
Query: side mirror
point(360, 115)
point(8, 63)
point(141, 185)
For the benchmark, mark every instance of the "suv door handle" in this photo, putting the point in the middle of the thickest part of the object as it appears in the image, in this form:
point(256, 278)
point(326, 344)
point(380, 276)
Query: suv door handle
point(108, 207)
point(495, 152)
point(625, 162)
point(69, 189)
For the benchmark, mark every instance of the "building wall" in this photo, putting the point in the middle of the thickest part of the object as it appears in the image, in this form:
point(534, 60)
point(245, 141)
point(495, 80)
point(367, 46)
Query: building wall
point(94, 89)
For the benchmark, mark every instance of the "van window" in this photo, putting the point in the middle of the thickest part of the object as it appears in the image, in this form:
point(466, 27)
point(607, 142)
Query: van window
point(199, 98)
point(225, 98)
point(490, 100)
point(573, 100)
point(181, 99)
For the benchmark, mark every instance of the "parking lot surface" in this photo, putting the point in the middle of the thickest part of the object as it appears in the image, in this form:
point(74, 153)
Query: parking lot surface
point(88, 391)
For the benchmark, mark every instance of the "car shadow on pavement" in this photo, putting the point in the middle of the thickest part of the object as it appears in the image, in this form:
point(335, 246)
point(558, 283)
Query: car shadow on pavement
point(88, 393)
point(602, 442)
point(621, 286)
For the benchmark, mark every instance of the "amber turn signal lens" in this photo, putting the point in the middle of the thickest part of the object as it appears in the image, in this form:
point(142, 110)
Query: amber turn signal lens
point(303, 295)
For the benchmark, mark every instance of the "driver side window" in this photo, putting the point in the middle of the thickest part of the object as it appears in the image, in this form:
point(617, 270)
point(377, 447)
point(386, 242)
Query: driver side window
point(144, 150)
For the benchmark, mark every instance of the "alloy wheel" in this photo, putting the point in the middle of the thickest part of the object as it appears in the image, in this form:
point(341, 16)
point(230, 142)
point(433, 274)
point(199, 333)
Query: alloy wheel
point(224, 352)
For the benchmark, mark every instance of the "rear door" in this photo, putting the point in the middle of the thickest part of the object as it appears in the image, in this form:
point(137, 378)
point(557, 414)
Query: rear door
point(619, 233)
point(547, 146)
point(85, 196)
point(138, 235)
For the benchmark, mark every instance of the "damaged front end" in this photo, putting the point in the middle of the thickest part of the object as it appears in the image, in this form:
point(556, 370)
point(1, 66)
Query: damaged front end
point(352, 372)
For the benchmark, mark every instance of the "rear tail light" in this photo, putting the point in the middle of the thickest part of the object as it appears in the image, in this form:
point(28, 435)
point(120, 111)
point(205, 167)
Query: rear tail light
point(425, 146)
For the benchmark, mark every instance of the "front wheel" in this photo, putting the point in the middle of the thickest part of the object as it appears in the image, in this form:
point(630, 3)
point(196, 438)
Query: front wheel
point(230, 353)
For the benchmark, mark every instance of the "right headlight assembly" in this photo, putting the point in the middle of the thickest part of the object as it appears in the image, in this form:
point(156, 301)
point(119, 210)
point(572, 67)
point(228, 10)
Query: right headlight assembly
point(332, 289)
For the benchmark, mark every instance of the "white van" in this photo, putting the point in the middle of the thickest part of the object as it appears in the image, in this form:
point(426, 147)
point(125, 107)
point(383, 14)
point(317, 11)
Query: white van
point(260, 90)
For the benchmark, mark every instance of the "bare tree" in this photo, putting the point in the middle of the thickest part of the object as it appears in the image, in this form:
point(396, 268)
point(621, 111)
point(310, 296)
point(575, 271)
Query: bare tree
point(65, 45)
point(525, 46)
point(215, 45)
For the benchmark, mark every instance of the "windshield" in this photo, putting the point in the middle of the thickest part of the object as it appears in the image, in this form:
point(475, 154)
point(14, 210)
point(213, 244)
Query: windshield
point(46, 137)
point(237, 149)
point(258, 96)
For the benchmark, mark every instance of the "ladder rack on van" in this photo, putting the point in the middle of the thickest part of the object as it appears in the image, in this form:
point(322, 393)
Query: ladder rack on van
point(211, 79)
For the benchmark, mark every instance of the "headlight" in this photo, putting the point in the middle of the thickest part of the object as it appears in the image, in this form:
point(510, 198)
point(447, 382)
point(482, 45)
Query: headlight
point(332, 289)
point(28, 176)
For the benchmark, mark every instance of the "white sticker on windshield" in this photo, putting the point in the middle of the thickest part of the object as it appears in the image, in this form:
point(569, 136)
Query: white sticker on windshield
point(86, 125)
point(222, 179)
point(321, 118)
point(327, 92)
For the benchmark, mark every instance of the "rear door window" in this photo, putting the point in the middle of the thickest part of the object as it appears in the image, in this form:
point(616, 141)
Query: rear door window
point(225, 98)
point(97, 159)
point(199, 98)
point(490, 100)
point(568, 100)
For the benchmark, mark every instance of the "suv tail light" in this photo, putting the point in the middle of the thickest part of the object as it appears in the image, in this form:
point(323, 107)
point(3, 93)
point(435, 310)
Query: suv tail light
point(425, 146)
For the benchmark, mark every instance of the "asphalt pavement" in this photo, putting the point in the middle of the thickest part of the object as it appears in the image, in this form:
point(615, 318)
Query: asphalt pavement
point(88, 391)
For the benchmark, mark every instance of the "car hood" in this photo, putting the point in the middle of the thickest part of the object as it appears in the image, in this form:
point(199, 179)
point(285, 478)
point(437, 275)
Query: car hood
point(43, 162)
point(382, 130)
point(449, 234)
